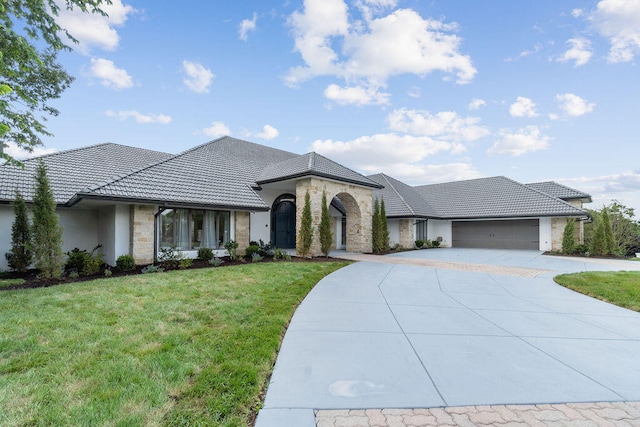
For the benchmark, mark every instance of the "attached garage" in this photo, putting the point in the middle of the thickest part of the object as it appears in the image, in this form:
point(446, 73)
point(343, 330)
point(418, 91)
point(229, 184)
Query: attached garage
point(507, 234)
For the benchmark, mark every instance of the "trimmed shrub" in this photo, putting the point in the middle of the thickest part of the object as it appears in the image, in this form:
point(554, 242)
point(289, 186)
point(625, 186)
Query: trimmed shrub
point(125, 263)
point(20, 256)
point(419, 243)
point(305, 235)
point(326, 238)
point(205, 254)
point(251, 250)
point(47, 233)
point(435, 243)
point(169, 258)
point(232, 249)
point(185, 263)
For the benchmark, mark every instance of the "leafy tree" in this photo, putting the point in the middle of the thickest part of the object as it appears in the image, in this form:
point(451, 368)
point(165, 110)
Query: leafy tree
point(598, 243)
point(626, 228)
point(47, 233)
point(305, 236)
point(569, 243)
point(326, 238)
point(384, 229)
point(20, 255)
point(609, 239)
point(30, 75)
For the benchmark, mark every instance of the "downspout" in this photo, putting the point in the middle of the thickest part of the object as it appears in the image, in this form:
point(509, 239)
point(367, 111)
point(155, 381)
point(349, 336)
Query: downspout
point(155, 231)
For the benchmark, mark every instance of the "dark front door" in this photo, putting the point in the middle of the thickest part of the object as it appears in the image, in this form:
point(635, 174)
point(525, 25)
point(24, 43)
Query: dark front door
point(284, 225)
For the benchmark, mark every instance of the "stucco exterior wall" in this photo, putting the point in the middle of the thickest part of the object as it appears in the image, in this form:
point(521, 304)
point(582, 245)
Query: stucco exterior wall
point(393, 225)
point(114, 232)
point(440, 228)
point(6, 221)
point(358, 202)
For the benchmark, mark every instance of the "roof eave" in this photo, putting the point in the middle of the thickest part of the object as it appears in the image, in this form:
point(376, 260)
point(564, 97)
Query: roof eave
point(320, 175)
point(165, 203)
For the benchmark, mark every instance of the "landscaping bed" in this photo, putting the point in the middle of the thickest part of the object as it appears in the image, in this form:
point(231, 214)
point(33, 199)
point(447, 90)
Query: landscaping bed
point(30, 279)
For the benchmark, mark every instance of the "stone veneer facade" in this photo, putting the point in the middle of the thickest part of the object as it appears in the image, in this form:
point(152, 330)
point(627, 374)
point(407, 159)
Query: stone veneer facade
point(406, 233)
point(357, 200)
point(141, 233)
point(242, 230)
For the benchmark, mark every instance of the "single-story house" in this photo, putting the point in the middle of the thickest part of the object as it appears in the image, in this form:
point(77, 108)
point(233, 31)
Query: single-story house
point(136, 201)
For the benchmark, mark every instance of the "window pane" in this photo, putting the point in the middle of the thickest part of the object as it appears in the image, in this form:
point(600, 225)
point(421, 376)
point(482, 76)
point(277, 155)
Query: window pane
point(223, 227)
point(196, 229)
point(166, 229)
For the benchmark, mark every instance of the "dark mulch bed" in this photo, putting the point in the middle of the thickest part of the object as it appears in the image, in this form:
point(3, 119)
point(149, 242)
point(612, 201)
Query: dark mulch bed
point(33, 281)
point(587, 256)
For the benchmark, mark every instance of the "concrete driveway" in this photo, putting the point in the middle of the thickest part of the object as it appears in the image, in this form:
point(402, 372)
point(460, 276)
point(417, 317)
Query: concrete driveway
point(453, 327)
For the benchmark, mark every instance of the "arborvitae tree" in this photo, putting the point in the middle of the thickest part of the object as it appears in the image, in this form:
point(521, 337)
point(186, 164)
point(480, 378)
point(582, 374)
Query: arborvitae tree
point(569, 242)
point(375, 229)
point(609, 240)
point(305, 236)
point(20, 255)
point(47, 233)
point(598, 242)
point(326, 238)
point(384, 229)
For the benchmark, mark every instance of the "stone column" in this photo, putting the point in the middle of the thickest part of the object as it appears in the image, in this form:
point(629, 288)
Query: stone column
point(242, 230)
point(141, 237)
point(406, 233)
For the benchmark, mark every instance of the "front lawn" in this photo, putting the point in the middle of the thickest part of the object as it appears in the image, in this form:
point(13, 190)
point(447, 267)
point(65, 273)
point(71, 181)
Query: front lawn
point(189, 347)
point(621, 288)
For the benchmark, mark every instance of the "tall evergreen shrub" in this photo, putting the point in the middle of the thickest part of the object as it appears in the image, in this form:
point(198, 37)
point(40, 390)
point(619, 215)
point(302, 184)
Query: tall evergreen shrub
point(384, 229)
point(305, 236)
point(376, 242)
point(47, 233)
point(326, 238)
point(20, 255)
point(569, 243)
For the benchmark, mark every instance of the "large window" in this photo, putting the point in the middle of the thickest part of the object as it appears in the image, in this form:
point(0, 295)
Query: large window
point(421, 230)
point(191, 229)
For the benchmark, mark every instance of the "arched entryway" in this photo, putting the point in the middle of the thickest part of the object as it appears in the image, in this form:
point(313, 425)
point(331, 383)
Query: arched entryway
point(352, 223)
point(283, 222)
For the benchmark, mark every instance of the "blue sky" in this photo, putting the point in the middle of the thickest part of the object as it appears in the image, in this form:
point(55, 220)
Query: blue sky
point(425, 91)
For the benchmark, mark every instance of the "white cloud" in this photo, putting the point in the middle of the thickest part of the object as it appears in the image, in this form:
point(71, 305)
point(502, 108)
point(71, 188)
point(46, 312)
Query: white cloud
point(401, 42)
point(536, 48)
point(374, 153)
point(576, 13)
point(624, 187)
point(446, 125)
point(619, 21)
point(414, 92)
point(198, 78)
point(580, 52)
point(523, 107)
point(421, 174)
point(356, 95)
point(268, 133)
point(476, 103)
point(110, 76)
point(18, 153)
point(574, 106)
point(139, 117)
point(216, 130)
point(247, 26)
point(94, 30)
point(522, 141)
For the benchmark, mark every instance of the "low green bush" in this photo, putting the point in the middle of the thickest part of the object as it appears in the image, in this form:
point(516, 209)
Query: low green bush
point(419, 243)
point(205, 254)
point(125, 263)
point(252, 249)
point(83, 262)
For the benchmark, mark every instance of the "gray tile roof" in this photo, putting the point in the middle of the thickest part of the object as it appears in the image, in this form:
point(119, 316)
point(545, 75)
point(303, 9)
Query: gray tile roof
point(70, 171)
point(219, 173)
point(400, 199)
point(560, 191)
point(495, 197)
point(312, 164)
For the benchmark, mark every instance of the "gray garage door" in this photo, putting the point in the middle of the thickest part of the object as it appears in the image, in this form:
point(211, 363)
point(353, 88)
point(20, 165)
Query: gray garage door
point(516, 234)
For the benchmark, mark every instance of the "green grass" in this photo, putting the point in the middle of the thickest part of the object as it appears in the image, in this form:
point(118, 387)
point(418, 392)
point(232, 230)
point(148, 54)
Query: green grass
point(10, 282)
point(619, 288)
point(189, 347)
